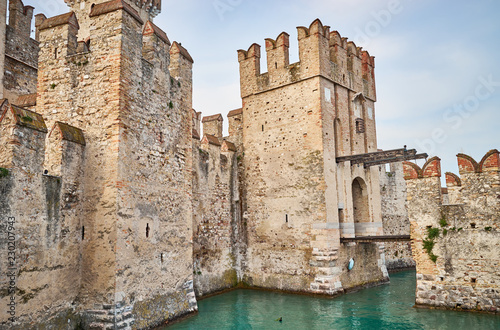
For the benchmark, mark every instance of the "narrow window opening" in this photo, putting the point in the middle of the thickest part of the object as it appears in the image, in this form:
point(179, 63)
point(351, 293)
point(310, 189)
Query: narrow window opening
point(161, 257)
point(55, 53)
point(147, 230)
point(275, 65)
point(286, 218)
point(83, 233)
point(262, 128)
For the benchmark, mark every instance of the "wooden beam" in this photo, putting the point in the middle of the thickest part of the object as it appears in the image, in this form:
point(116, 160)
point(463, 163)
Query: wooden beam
point(394, 160)
point(361, 158)
point(370, 239)
point(382, 157)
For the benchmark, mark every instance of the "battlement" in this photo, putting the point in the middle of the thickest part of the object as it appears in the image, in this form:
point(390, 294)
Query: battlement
point(212, 125)
point(20, 17)
point(321, 53)
point(490, 162)
point(431, 168)
point(475, 180)
point(146, 9)
point(22, 129)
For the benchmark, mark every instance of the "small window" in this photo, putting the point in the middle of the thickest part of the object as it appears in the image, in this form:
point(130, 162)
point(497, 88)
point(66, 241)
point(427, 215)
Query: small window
point(360, 125)
point(286, 218)
point(147, 230)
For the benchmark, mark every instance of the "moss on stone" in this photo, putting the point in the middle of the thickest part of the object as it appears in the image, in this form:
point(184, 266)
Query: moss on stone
point(230, 278)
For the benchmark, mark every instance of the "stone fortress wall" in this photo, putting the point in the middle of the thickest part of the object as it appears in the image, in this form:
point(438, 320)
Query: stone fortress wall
point(455, 244)
point(105, 238)
point(395, 216)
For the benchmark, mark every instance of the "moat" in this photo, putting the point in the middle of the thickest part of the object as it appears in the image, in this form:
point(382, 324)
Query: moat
point(384, 307)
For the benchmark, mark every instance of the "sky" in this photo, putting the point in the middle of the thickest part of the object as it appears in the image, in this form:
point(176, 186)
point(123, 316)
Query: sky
point(437, 63)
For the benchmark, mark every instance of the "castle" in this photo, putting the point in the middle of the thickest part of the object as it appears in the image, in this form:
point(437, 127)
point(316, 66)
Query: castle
point(119, 212)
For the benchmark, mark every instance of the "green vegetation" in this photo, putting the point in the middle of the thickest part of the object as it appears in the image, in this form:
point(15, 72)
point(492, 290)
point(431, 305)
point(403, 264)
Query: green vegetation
point(443, 222)
point(432, 233)
point(488, 228)
point(3, 172)
point(52, 86)
point(27, 119)
point(428, 242)
point(170, 105)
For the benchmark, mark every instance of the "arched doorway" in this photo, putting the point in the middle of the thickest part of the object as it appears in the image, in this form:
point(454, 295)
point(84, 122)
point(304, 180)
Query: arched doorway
point(360, 201)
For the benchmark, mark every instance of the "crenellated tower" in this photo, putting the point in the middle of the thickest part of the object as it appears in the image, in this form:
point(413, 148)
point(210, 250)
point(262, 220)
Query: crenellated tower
point(298, 120)
point(18, 51)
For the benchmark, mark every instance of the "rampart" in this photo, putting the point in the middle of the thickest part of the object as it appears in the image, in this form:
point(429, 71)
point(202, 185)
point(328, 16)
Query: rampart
point(455, 245)
point(46, 232)
point(217, 226)
point(127, 236)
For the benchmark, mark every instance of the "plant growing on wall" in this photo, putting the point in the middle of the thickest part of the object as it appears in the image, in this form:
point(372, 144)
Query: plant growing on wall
point(3, 172)
point(442, 221)
point(428, 242)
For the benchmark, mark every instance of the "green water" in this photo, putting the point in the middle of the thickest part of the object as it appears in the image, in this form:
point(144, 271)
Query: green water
point(384, 307)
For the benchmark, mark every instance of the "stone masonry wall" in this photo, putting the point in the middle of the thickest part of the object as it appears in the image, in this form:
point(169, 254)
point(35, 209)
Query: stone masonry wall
point(215, 217)
point(395, 216)
point(458, 268)
point(41, 223)
point(21, 53)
